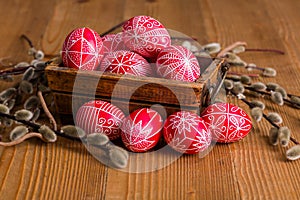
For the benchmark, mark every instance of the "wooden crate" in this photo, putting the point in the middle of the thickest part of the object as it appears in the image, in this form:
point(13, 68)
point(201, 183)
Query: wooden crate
point(71, 88)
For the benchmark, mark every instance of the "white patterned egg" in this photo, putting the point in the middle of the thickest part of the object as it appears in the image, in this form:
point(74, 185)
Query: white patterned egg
point(100, 117)
point(145, 36)
point(177, 63)
point(141, 130)
point(227, 123)
point(186, 132)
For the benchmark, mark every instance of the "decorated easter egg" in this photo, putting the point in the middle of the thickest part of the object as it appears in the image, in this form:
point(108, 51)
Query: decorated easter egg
point(186, 132)
point(126, 62)
point(100, 117)
point(82, 49)
point(113, 42)
point(141, 130)
point(145, 35)
point(227, 122)
point(178, 63)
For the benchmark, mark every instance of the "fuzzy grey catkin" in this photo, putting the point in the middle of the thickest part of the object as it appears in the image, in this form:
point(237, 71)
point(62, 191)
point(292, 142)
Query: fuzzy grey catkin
point(7, 94)
point(23, 114)
point(18, 132)
point(258, 86)
point(277, 98)
point(212, 48)
point(98, 139)
point(4, 109)
point(282, 91)
point(8, 122)
point(275, 117)
point(284, 135)
point(269, 72)
point(295, 100)
point(28, 74)
point(235, 60)
point(73, 131)
point(233, 77)
point(272, 86)
point(228, 84)
point(32, 103)
point(273, 136)
point(238, 88)
point(26, 87)
point(246, 79)
point(118, 158)
point(11, 104)
point(293, 153)
point(36, 115)
point(21, 64)
point(47, 133)
point(239, 49)
point(257, 103)
point(256, 113)
point(39, 55)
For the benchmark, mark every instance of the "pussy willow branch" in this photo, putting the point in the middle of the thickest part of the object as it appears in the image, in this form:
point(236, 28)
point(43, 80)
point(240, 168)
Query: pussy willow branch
point(269, 94)
point(230, 47)
point(266, 50)
point(250, 105)
point(35, 126)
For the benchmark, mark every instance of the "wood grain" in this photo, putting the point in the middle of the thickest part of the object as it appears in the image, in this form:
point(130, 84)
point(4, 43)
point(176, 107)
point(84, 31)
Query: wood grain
point(249, 169)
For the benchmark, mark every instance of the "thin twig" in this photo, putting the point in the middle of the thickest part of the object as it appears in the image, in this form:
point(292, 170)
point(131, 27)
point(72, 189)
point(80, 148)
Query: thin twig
point(230, 47)
point(240, 74)
point(27, 40)
point(266, 50)
point(22, 139)
point(46, 110)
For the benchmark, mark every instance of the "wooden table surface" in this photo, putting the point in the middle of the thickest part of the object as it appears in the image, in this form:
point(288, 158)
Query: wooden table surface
point(247, 169)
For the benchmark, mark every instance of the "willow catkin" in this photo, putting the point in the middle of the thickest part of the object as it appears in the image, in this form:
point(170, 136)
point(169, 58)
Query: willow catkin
point(4, 109)
point(21, 64)
point(32, 102)
point(233, 77)
point(28, 74)
point(23, 114)
point(269, 72)
point(256, 113)
point(98, 139)
point(277, 98)
point(212, 48)
point(275, 117)
point(272, 86)
point(273, 136)
point(284, 135)
point(47, 133)
point(73, 131)
point(258, 86)
point(11, 103)
point(239, 49)
point(246, 79)
point(118, 157)
point(18, 132)
point(7, 94)
point(26, 87)
point(228, 84)
point(257, 103)
point(293, 153)
point(238, 88)
point(295, 100)
point(282, 91)
point(36, 115)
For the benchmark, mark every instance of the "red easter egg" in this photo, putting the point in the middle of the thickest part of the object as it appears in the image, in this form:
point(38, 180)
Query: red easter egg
point(227, 122)
point(186, 132)
point(82, 49)
point(113, 42)
point(178, 63)
point(100, 117)
point(146, 36)
point(141, 130)
point(126, 62)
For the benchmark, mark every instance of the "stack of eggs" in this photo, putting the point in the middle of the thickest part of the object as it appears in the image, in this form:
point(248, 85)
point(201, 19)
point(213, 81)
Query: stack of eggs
point(144, 40)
